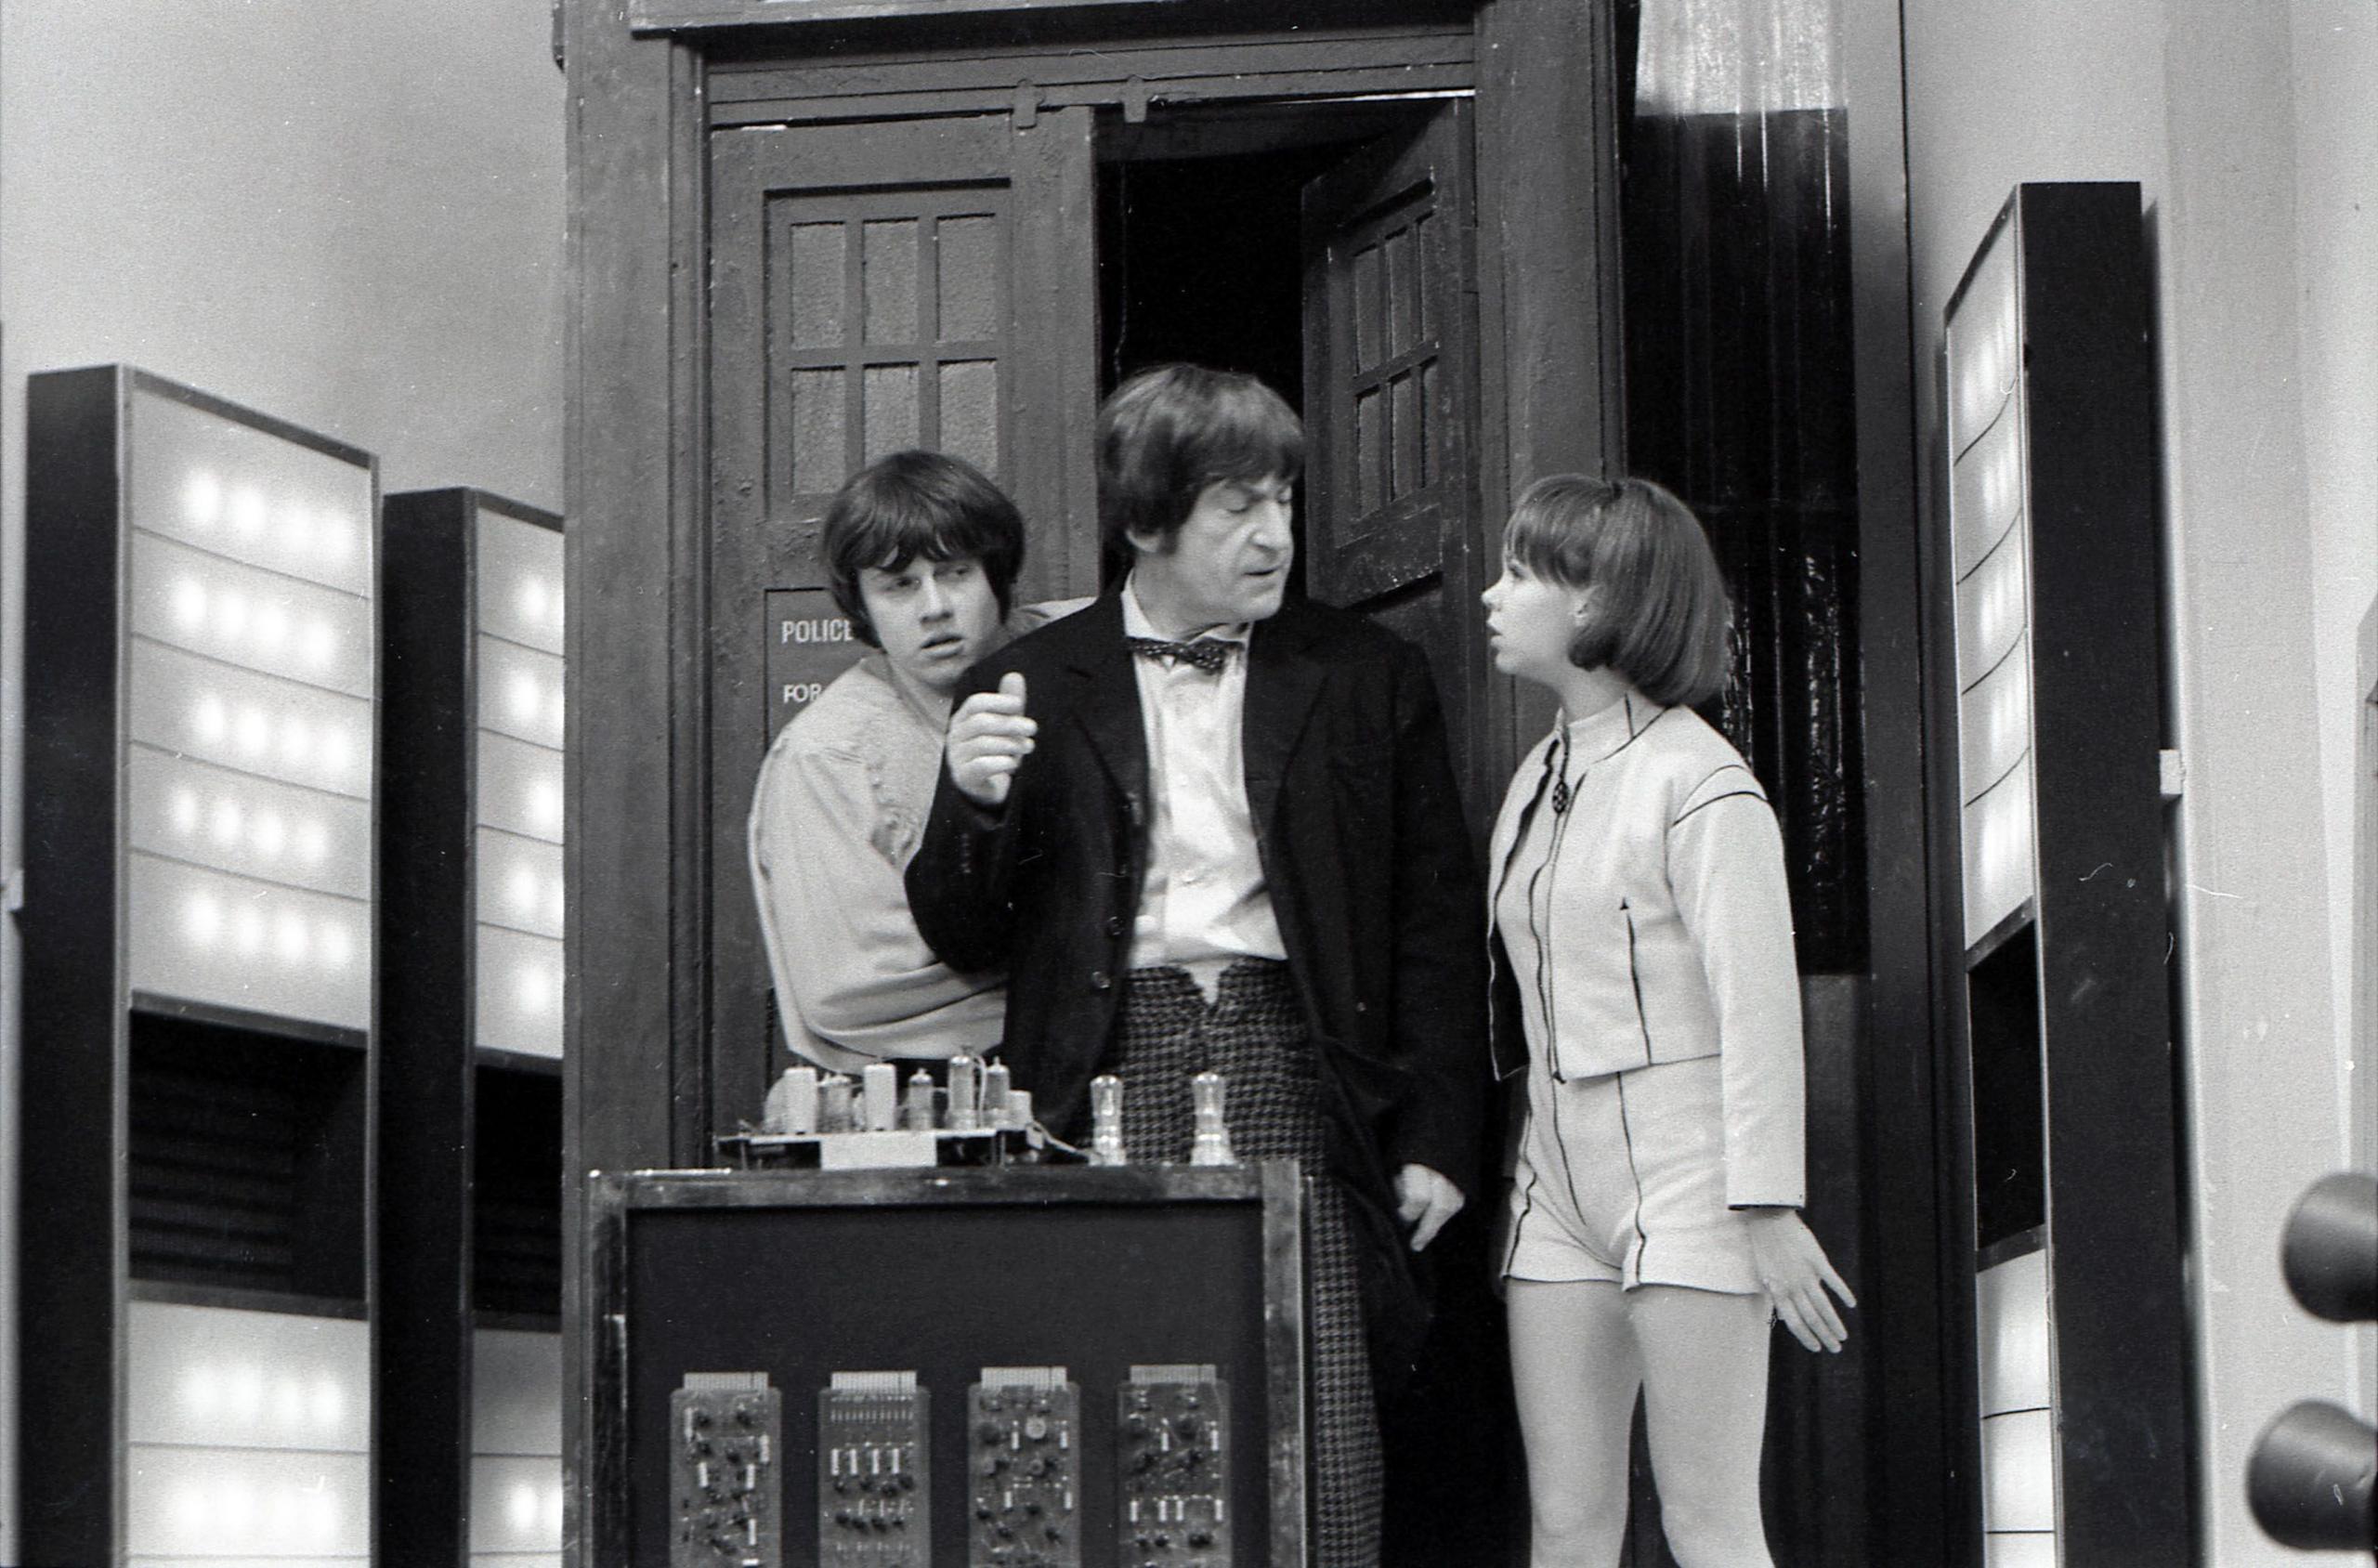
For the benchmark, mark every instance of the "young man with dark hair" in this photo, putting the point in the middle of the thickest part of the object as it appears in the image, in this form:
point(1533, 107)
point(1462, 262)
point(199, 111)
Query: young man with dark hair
point(1203, 825)
point(922, 552)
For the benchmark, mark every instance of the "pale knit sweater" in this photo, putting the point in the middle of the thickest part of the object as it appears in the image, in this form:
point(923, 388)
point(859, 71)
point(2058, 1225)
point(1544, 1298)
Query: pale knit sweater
point(841, 802)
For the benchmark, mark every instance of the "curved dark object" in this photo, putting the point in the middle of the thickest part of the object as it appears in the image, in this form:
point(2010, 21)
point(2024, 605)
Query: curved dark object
point(2310, 1478)
point(2330, 1255)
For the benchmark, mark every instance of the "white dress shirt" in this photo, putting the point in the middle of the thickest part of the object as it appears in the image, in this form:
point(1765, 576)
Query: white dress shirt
point(1203, 903)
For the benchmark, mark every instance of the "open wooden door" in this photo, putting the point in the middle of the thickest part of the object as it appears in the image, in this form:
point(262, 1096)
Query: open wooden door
point(1393, 529)
point(873, 286)
point(1391, 404)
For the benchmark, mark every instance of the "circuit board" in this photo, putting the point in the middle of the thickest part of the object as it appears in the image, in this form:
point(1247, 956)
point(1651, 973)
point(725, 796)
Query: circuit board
point(728, 1434)
point(874, 1492)
point(1171, 1469)
point(1024, 1469)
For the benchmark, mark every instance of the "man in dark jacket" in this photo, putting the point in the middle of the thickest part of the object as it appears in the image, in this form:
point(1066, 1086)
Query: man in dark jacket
point(1202, 826)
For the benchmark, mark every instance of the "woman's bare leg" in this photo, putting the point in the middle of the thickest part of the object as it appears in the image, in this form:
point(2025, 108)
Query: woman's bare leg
point(1574, 1367)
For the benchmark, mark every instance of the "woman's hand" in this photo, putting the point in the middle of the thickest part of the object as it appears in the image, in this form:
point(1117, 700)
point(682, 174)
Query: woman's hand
point(1795, 1272)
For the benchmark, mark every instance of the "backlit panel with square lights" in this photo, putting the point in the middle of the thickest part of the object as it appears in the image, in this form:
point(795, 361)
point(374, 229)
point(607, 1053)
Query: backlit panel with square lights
point(249, 661)
point(519, 621)
point(472, 908)
point(202, 648)
point(2059, 899)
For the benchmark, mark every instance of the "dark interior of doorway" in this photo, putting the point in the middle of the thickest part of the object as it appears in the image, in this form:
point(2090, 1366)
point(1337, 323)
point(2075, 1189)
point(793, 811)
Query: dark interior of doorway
point(1200, 258)
point(1199, 261)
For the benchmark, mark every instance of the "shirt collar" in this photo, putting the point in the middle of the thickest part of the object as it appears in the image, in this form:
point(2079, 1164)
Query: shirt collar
point(1614, 729)
point(1137, 624)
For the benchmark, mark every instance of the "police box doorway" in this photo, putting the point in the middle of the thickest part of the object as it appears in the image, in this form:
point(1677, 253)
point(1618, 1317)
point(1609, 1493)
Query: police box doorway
point(975, 283)
point(919, 246)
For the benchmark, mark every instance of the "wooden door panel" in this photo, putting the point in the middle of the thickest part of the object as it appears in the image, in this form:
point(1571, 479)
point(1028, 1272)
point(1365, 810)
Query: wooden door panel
point(1392, 524)
point(873, 286)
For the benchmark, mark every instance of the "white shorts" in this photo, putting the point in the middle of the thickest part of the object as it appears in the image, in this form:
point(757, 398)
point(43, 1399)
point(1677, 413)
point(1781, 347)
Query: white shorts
point(1622, 1177)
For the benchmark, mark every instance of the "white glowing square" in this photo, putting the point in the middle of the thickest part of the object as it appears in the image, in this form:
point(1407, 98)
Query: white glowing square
point(1999, 871)
point(2011, 1324)
point(520, 569)
point(1993, 606)
point(1986, 493)
point(258, 724)
point(518, 992)
point(515, 1504)
point(232, 488)
point(520, 692)
point(519, 882)
point(519, 786)
point(2018, 1470)
point(202, 936)
point(246, 824)
point(1994, 722)
point(1984, 343)
point(224, 1377)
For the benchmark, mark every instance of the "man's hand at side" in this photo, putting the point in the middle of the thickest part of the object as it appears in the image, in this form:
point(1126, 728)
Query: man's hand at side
point(1425, 1200)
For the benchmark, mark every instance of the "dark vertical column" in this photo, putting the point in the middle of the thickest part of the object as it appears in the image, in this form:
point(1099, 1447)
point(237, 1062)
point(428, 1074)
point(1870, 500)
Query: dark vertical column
point(1915, 1288)
point(2120, 1310)
point(1550, 345)
point(72, 1087)
point(422, 1419)
point(635, 1089)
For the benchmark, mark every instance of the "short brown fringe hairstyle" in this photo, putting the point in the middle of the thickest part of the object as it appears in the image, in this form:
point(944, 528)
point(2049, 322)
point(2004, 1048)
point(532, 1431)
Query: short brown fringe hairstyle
point(1663, 614)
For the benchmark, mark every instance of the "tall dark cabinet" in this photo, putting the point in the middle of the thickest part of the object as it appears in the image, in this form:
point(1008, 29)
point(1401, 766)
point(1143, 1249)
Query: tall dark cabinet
point(468, 1446)
point(197, 1118)
point(2053, 566)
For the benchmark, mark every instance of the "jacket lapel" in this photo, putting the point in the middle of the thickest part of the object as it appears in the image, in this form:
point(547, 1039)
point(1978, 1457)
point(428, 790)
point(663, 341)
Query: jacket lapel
point(1281, 686)
point(1107, 703)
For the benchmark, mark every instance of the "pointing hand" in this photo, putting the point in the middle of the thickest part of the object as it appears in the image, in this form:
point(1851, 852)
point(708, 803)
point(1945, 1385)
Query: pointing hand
point(989, 737)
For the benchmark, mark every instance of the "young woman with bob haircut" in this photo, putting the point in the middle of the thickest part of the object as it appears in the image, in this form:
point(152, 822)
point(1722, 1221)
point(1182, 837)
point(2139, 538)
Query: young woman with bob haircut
point(1645, 983)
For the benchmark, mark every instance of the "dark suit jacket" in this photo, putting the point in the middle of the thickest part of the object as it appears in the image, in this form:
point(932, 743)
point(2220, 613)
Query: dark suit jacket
point(1365, 853)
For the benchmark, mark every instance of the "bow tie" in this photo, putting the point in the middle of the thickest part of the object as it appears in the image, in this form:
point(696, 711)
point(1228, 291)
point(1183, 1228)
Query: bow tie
point(1208, 654)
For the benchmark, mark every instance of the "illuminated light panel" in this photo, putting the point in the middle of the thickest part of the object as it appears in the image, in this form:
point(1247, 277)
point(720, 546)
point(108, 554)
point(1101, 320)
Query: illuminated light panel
point(2010, 1551)
point(520, 692)
point(228, 487)
point(222, 1378)
point(246, 1504)
point(1999, 872)
point(1986, 493)
point(1994, 604)
point(205, 936)
point(2018, 1470)
point(515, 1504)
point(1984, 345)
point(519, 577)
point(2012, 1319)
point(519, 786)
point(233, 822)
point(256, 723)
point(518, 990)
point(1994, 722)
point(520, 882)
point(253, 619)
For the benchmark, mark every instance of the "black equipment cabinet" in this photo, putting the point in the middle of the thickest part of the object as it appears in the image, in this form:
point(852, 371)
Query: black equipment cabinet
point(942, 1273)
point(468, 1202)
point(2065, 1048)
point(195, 1107)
